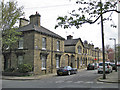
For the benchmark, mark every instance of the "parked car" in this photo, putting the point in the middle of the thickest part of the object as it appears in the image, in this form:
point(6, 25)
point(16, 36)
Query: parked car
point(96, 65)
point(108, 68)
point(118, 64)
point(67, 70)
point(113, 66)
point(92, 66)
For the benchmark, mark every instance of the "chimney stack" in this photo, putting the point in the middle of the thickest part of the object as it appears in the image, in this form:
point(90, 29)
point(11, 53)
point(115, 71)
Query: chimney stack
point(35, 19)
point(23, 22)
point(70, 37)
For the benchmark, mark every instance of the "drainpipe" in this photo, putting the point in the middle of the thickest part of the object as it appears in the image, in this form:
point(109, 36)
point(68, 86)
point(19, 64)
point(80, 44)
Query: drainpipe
point(51, 54)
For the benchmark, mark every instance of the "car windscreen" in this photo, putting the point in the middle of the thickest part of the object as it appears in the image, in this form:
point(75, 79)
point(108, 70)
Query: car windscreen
point(68, 67)
point(101, 64)
point(65, 67)
point(91, 64)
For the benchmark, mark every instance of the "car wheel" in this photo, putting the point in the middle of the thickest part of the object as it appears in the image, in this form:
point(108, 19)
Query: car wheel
point(111, 71)
point(69, 73)
point(98, 72)
point(75, 72)
point(87, 68)
point(58, 74)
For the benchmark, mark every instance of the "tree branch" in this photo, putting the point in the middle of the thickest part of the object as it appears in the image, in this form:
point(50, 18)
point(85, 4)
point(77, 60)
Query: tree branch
point(111, 11)
point(92, 22)
point(86, 21)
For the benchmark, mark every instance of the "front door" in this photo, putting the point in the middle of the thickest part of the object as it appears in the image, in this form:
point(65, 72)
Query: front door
point(6, 60)
point(77, 63)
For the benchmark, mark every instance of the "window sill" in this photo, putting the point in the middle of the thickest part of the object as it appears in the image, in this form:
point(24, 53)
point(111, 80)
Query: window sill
point(20, 48)
point(43, 69)
point(57, 67)
point(43, 48)
point(58, 50)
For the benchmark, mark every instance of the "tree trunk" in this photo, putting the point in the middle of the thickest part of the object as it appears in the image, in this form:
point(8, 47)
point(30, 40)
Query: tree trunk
point(103, 49)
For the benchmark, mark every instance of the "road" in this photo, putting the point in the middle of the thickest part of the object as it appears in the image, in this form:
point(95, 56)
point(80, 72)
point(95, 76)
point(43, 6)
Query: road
point(83, 79)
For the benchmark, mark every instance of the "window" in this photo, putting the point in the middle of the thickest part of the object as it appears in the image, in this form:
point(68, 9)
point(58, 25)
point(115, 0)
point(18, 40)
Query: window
point(81, 61)
point(43, 62)
point(20, 43)
point(58, 45)
point(79, 49)
point(6, 47)
point(57, 61)
point(43, 43)
point(86, 51)
point(20, 59)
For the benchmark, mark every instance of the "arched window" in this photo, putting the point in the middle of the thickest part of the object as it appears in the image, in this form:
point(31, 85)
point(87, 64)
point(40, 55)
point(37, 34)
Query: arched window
point(79, 49)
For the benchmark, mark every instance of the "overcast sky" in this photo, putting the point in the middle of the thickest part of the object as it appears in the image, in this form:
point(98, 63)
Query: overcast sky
point(51, 9)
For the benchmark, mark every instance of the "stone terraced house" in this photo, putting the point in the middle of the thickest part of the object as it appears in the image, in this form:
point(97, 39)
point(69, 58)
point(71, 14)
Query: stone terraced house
point(47, 51)
point(39, 47)
point(74, 52)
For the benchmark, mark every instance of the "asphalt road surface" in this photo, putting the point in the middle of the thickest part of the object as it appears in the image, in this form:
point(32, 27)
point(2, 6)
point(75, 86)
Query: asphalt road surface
point(83, 79)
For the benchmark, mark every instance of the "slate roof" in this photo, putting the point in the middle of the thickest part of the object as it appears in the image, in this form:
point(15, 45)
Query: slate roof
point(70, 45)
point(72, 42)
point(40, 29)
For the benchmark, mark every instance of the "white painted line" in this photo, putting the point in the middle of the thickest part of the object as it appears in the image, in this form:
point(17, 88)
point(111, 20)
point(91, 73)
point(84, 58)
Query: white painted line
point(68, 81)
point(79, 82)
point(89, 82)
point(59, 81)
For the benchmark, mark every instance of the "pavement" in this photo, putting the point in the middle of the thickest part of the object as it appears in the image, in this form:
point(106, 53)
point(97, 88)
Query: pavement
point(110, 78)
point(33, 77)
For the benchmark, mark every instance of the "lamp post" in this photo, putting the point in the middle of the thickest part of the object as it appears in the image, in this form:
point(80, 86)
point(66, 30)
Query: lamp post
point(115, 53)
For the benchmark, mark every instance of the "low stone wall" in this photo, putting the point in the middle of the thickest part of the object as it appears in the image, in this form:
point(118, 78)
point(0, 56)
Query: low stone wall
point(16, 74)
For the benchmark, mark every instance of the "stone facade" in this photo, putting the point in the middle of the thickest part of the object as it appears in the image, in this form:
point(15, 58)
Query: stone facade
point(32, 51)
point(50, 52)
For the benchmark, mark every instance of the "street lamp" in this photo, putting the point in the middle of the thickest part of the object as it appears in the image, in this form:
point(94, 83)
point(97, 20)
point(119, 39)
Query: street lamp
point(115, 53)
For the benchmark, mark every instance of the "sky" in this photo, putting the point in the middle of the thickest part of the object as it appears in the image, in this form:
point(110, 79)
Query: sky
point(51, 9)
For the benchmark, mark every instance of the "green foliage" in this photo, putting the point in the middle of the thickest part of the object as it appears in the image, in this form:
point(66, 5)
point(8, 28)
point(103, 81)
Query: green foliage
point(89, 12)
point(23, 68)
point(10, 37)
point(12, 69)
point(10, 16)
